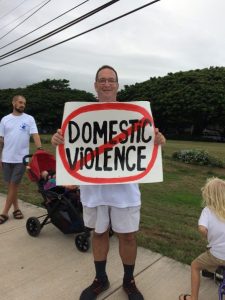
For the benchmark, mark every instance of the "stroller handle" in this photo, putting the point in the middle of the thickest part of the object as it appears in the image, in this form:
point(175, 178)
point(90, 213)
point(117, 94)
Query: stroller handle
point(25, 162)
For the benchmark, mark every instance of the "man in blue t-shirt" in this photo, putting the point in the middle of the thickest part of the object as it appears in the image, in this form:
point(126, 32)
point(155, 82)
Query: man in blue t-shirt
point(15, 131)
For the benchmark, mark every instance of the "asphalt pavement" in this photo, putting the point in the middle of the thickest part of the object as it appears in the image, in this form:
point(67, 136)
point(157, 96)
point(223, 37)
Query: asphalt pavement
point(50, 267)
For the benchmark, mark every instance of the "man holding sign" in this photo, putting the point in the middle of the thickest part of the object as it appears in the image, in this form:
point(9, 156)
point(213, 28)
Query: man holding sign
point(117, 205)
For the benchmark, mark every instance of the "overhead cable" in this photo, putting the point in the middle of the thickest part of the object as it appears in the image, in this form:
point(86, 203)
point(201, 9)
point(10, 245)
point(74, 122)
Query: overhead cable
point(44, 24)
point(1, 17)
point(21, 15)
point(57, 30)
point(82, 33)
point(24, 20)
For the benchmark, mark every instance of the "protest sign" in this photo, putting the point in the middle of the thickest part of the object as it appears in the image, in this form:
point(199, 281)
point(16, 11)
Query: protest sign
point(108, 143)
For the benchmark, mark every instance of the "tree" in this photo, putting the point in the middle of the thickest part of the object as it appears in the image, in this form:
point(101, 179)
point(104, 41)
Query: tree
point(45, 101)
point(51, 84)
point(193, 99)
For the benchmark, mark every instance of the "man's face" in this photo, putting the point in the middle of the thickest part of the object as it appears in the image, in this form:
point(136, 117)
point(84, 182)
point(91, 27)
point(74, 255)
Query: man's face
point(19, 105)
point(106, 86)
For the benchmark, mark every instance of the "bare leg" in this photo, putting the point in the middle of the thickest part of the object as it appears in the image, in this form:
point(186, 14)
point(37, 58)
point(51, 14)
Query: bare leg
point(100, 245)
point(11, 198)
point(127, 247)
point(195, 280)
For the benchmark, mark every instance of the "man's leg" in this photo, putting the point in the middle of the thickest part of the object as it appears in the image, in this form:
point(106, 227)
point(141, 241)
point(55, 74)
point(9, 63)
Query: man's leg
point(13, 174)
point(128, 254)
point(100, 248)
point(11, 198)
point(125, 222)
point(100, 245)
point(127, 247)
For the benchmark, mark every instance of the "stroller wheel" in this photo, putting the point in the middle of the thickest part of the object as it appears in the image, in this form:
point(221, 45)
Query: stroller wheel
point(33, 226)
point(82, 243)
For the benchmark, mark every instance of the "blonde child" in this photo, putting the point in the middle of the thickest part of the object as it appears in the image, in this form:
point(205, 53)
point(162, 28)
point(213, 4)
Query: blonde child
point(211, 225)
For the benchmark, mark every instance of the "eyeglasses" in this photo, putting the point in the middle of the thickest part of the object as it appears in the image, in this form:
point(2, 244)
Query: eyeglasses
point(109, 80)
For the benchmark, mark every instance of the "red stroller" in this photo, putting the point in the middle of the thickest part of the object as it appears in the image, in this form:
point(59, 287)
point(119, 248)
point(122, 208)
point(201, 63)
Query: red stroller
point(64, 209)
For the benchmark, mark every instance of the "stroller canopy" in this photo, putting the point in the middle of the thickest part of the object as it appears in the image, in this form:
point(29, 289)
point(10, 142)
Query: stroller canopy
point(40, 161)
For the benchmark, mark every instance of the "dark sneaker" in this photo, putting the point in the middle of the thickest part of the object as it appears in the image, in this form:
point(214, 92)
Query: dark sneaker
point(96, 288)
point(132, 291)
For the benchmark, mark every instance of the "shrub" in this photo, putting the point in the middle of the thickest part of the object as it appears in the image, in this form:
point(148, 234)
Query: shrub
point(197, 157)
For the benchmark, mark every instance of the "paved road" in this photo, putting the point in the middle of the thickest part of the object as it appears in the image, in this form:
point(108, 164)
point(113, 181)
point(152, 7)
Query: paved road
point(50, 267)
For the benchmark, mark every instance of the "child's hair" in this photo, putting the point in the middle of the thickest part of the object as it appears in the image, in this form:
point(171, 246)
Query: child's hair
point(213, 193)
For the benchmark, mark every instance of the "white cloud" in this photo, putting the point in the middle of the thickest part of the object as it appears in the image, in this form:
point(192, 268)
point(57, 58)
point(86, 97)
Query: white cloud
point(168, 36)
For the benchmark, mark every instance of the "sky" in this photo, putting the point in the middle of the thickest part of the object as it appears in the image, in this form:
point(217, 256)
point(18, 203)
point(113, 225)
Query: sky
point(166, 37)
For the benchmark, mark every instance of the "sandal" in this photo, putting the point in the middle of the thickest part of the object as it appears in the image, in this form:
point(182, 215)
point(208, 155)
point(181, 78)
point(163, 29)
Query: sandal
point(17, 214)
point(184, 296)
point(3, 219)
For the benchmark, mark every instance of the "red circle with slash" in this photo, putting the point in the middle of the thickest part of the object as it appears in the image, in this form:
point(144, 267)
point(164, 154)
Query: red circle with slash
point(99, 107)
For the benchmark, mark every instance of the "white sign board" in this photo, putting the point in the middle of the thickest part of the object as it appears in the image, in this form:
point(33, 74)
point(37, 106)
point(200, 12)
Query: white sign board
point(108, 143)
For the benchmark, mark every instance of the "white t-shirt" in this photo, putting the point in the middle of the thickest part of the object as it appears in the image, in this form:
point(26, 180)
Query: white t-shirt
point(118, 195)
point(216, 232)
point(16, 131)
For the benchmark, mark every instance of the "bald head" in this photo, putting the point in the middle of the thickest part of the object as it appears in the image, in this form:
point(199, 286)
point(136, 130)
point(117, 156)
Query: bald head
point(19, 103)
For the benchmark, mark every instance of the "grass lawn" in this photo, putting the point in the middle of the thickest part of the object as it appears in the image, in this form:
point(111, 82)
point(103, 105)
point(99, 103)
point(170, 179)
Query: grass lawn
point(170, 210)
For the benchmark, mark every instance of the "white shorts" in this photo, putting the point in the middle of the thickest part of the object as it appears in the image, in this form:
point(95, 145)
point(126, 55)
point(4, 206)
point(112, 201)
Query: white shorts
point(122, 220)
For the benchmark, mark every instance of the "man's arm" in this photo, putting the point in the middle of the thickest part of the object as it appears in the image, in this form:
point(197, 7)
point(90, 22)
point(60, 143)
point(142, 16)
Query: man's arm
point(37, 140)
point(1, 148)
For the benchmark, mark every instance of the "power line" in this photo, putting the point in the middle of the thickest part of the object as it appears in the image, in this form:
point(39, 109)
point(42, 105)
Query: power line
point(13, 9)
point(21, 15)
point(82, 33)
point(44, 24)
point(25, 19)
point(57, 30)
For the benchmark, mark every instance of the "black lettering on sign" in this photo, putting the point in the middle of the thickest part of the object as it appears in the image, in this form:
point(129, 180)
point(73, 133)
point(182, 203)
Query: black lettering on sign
point(72, 138)
point(99, 132)
point(125, 153)
point(86, 132)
